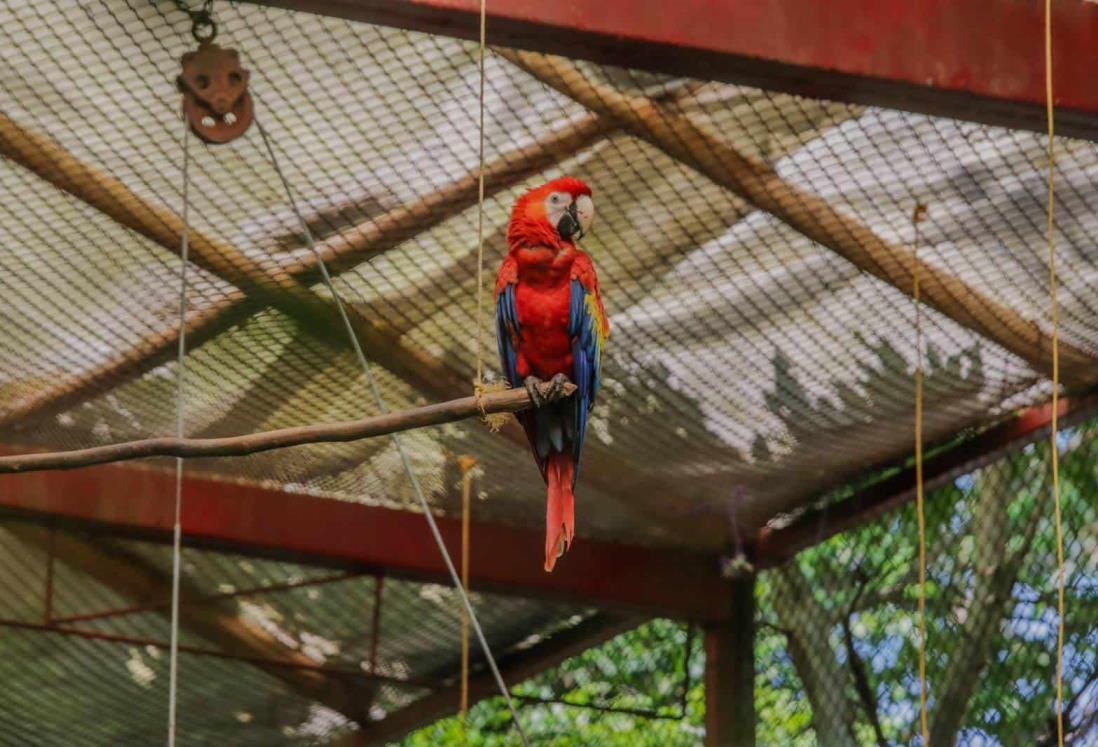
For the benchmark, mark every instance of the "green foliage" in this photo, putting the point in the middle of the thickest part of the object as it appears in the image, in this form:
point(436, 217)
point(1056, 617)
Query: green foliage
point(643, 670)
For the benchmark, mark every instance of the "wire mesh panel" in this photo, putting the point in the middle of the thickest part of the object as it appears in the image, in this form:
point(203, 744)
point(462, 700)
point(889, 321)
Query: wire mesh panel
point(754, 250)
point(703, 269)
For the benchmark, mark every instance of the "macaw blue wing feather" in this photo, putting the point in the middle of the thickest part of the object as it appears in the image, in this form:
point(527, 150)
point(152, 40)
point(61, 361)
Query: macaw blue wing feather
point(508, 339)
point(508, 333)
point(587, 328)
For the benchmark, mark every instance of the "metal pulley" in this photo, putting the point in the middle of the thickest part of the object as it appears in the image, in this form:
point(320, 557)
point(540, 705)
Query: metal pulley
point(216, 101)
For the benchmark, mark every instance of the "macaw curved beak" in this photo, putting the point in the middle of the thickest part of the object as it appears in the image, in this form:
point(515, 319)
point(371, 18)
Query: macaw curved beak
point(569, 224)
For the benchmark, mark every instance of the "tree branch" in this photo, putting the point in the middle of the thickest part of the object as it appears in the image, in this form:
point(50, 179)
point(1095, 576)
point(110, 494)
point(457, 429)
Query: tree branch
point(806, 624)
point(511, 400)
point(1072, 731)
point(857, 668)
point(991, 597)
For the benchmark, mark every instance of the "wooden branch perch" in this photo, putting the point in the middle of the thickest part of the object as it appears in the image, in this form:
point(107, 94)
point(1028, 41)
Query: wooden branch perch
point(678, 136)
point(511, 400)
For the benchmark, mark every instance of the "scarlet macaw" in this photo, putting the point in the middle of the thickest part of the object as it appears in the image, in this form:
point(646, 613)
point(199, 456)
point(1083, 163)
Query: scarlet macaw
point(551, 326)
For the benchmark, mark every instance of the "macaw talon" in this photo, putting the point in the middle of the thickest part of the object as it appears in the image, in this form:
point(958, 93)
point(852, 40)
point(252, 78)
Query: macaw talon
point(533, 385)
point(557, 385)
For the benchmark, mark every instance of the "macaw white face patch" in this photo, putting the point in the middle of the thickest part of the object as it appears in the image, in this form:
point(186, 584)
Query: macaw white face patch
point(585, 210)
point(555, 205)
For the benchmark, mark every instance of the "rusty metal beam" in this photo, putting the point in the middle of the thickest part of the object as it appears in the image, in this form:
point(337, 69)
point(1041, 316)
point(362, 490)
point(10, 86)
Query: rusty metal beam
point(677, 135)
point(933, 57)
point(772, 547)
point(248, 519)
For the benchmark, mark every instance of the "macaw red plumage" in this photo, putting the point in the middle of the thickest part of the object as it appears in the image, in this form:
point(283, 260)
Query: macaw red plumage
point(551, 326)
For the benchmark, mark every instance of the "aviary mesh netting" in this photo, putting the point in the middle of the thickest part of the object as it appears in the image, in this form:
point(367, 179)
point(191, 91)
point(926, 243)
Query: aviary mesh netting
point(753, 249)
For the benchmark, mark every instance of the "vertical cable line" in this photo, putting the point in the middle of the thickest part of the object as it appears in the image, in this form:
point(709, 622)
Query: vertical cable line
point(1054, 453)
point(180, 371)
point(397, 442)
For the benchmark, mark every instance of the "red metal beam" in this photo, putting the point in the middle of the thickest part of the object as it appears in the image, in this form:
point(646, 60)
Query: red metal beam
point(970, 59)
point(272, 523)
point(774, 546)
point(730, 674)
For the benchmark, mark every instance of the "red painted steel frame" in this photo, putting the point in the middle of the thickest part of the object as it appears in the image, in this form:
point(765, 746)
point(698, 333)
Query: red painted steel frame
point(970, 59)
point(268, 522)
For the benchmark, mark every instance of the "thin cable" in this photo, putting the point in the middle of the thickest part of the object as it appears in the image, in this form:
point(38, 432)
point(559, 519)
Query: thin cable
point(180, 370)
point(1055, 451)
point(380, 401)
point(920, 506)
point(480, 211)
point(478, 384)
point(466, 463)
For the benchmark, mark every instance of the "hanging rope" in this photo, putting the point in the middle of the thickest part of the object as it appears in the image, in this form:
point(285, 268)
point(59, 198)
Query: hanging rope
point(397, 442)
point(480, 388)
point(479, 383)
point(180, 369)
point(467, 463)
point(917, 217)
point(494, 422)
point(1054, 450)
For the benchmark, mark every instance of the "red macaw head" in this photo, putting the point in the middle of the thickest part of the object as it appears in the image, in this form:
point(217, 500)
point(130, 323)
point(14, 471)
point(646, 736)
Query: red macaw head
point(553, 215)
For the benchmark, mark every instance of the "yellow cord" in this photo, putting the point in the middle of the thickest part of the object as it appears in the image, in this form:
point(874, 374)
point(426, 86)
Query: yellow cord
point(916, 217)
point(1055, 452)
point(479, 383)
point(466, 463)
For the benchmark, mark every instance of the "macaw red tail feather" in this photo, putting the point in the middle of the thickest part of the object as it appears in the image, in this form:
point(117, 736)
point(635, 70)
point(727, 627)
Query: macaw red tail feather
point(560, 512)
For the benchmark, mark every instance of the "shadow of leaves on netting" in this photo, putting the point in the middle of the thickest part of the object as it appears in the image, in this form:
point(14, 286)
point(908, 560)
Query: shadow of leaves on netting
point(854, 413)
